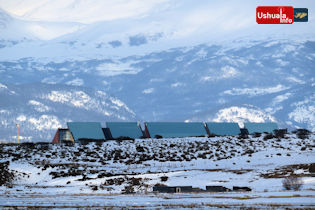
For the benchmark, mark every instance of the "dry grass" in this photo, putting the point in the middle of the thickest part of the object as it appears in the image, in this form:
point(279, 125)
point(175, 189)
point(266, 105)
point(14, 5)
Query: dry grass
point(291, 196)
point(241, 171)
point(284, 171)
point(237, 197)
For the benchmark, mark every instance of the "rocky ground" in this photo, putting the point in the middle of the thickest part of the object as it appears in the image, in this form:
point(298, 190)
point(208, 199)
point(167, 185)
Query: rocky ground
point(261, 162)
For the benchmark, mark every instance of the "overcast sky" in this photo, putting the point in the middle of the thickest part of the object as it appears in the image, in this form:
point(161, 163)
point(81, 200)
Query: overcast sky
point(87, 11)
point(183, 17)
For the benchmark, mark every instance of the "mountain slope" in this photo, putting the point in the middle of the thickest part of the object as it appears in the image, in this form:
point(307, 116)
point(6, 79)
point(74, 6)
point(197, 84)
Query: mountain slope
point(40, 109)
point(275, 77)
point(264, 80)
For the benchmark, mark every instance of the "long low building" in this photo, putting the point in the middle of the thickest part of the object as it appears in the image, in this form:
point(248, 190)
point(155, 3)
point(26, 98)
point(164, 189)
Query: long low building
point(93, 131)
point(223, 128)
point(260, 127)
point(80, 131)
point(174, 129)
point(123, 129)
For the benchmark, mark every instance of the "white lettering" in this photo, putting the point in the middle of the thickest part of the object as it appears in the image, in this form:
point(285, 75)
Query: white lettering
point(282, 17)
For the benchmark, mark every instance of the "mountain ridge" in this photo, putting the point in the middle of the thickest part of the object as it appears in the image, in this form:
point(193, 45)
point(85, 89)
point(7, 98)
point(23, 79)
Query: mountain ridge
point(42, 108)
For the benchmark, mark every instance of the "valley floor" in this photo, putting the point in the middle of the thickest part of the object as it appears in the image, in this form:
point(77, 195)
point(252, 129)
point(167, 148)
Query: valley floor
point(122, 174)
point(271, 200)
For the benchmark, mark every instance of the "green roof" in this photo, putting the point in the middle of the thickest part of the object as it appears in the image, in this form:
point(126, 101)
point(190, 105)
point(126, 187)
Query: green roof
point(260, 127)
point(224, 128)
point(176, 129)
point(86, 130)
point(129, 129)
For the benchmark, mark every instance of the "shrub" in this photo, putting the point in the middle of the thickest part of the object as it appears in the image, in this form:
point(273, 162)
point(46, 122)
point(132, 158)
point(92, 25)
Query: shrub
point(280, 133)
point(121, 138)
point(302, 133)
point(164, 178)
point(256, 134)
point(94, 187)
point(160, 185)
point(128, 190)
point(268, 136)
point(140, 149)
point(6, 176)
point(312, 168)
point(292, 183)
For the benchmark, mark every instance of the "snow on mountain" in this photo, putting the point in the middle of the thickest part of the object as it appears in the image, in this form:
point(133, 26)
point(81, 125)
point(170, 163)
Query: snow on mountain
point(197, 83)
point(78, 11)
point(15, 31)
point(40, 109)
point(241, 115)
point(255, 91)
point(166, 61)
point(12, 30)
point(86, 30)
point(304, 112)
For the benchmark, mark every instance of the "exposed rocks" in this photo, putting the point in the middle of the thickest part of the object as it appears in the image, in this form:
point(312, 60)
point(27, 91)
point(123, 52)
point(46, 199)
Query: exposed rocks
point(6, 176)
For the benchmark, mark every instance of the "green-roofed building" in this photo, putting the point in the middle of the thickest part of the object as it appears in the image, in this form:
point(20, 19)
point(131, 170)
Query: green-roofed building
point(86, 131)
point(223, 128)
point(124, 129)
point(260, 127)
point(174, 129)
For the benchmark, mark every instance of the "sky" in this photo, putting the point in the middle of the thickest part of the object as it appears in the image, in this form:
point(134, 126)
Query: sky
point(164, 24)
point(89, 11)
point(182, 17)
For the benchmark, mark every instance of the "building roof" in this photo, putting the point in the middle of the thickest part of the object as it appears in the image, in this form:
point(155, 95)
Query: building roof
point(176, 129)
point(86, 130)
point(223, 128)
point(128, 129)
point(260, 127)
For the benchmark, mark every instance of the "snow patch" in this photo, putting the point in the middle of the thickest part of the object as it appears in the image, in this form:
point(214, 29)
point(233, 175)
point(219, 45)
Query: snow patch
point(241, 115)
point(112, 69)
point(45, 122)
point(39, 106)
point(296, 80)
point(2, 86)
point(202, 53)
point(289, 48)
point(258, 63)
point(21, 118)
point(282, 62)
point(3, 111)
point(177, 84)
point(206, 78)
point(76, 98)
point(148, 91)
point(228, 72)
point(255, 91)
point(76, 82)
point(304, 112)
point(280, 98)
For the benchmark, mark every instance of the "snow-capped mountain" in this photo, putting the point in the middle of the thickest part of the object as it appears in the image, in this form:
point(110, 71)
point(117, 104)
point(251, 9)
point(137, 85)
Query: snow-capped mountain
point(170, 62)
point(40, 109)
point(244, 81)
point(101, 29)
point(256, 81)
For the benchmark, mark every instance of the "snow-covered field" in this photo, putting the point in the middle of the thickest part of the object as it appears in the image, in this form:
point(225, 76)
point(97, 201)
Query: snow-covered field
point(99, 175)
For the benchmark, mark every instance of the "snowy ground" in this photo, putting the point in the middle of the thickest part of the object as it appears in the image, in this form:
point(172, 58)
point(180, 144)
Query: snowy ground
point(96, 175)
